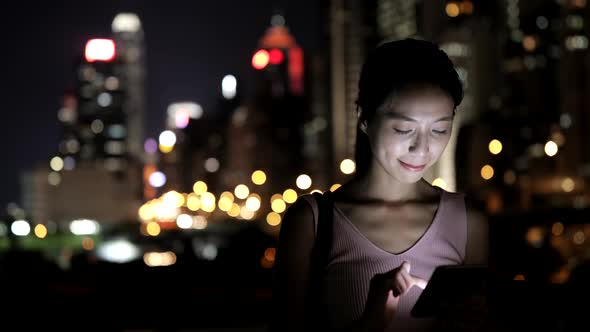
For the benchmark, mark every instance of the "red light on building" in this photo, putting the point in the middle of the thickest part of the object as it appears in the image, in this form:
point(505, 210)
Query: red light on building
point(100, 50)
point(276, 56)
point(260, 59)
point(295, 70)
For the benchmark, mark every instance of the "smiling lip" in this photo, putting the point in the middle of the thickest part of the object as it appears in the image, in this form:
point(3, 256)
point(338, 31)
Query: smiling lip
point(412, 167)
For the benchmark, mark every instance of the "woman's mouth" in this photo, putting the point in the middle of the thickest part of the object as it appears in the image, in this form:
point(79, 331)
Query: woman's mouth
point(413, 168)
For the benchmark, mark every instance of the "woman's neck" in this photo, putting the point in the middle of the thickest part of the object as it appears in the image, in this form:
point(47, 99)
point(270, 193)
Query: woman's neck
point(385, 188)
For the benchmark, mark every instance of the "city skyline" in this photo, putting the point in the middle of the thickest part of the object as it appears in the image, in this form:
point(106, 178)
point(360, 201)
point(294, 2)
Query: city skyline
point(185, 62)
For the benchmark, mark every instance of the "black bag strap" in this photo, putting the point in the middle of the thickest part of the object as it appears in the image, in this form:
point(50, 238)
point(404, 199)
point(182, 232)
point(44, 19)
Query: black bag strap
point(319, 257)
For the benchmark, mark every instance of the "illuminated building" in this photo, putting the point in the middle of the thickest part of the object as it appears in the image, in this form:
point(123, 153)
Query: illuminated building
point(266, 131)
point(128, 36)
point(101, 148)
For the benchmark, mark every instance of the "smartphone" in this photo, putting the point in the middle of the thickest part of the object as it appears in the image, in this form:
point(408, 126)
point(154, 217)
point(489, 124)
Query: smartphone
point(448, 283)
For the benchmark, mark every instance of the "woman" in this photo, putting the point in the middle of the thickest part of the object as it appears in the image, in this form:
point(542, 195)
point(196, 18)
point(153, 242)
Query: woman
point(391, 228)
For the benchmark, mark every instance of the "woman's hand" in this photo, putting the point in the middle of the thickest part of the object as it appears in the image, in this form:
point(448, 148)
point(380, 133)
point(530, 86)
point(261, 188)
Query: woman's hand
point(384, 292)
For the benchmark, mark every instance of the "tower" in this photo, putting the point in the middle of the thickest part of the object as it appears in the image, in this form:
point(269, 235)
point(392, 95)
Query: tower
point(128, 36)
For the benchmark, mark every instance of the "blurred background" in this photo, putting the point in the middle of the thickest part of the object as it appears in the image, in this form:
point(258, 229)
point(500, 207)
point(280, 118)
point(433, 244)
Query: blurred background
point(150, 150)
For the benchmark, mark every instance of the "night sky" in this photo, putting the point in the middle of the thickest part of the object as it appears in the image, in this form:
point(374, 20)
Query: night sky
point(190, 46)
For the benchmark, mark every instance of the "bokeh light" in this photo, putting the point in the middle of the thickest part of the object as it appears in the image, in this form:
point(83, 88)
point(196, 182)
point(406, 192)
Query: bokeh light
point(551, 148)
point(258, 177)
point(290, 196)
point(487, 172)
point(199, 187)
point(56, 164)
point(260, 59)
point(241, 191)
point(347, 166)
point(40, 231)
point(273, 218)
point(439, 182)
point(495, 146)
point(278, 206)
point(303, 181)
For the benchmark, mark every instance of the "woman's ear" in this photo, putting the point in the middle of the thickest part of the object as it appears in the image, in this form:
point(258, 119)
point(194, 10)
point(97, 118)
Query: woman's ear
point(363, 122)
point(363, 126)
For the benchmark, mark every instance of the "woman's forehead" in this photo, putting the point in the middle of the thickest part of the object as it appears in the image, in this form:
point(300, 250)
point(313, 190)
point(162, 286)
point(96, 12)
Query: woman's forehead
point(418, 104)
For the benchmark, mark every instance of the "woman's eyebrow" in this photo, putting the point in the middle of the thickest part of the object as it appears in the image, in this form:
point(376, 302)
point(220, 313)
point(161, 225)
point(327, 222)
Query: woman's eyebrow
point(394, 115)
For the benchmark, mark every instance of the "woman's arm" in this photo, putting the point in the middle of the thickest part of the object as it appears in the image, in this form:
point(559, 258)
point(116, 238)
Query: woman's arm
point(477, 249)
point(291, 270)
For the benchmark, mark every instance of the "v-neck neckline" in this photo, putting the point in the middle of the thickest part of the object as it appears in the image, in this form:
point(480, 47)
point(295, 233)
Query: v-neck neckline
point(427, 233)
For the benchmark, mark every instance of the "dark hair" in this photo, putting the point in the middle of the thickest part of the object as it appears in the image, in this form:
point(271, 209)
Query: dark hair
point(393, 67)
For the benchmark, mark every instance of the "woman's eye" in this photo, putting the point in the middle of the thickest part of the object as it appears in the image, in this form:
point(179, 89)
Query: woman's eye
point(440, 132)
point(403, 132)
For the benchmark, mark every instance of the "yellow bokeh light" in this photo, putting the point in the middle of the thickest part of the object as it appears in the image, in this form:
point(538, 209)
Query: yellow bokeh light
point(153, 228)
point(303, 181)
point(234, 211)
point(242, 191)
point(316, 191)
point(225, 203)
point(146, 212)
point(487, 172)
point(246, 213)
point(56, 164)
point(335, 186)
point(40, 231)
point(258, 177)
point(290, 196)
point(495, 146)
point(438, 182)
point(278, 206)
point(199, 187)
point(166, 149)
point(228, 195)
point(208, 202)
point(273, 219)
point(452, 9)
point(568, 185)
point(347, 166)
point(253, 202)
point(551, 148)
point(275, 196)
point(193, 202)
point(173, 199)
point(180, 200)
point(153, 259)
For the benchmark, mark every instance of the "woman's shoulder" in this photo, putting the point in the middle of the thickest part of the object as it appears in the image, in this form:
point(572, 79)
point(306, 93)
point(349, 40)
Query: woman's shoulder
point(303, 211)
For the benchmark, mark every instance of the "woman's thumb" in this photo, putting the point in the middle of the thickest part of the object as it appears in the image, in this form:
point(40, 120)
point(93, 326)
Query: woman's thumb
point(406, 266)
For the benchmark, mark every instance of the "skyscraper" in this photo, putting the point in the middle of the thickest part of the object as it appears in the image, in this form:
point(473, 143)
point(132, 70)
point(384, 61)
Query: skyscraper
point(267, 131)
point(96, 173)
point(128, 36)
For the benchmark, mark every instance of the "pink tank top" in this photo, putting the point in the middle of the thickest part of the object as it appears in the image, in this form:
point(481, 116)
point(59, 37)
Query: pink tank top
point(354, 260)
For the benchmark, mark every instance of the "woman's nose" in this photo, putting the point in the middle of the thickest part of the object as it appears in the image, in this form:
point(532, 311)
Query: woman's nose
point(420, 144)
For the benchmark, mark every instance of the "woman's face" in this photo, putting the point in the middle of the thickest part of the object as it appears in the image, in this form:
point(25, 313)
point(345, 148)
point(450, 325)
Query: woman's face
point(409, 133)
